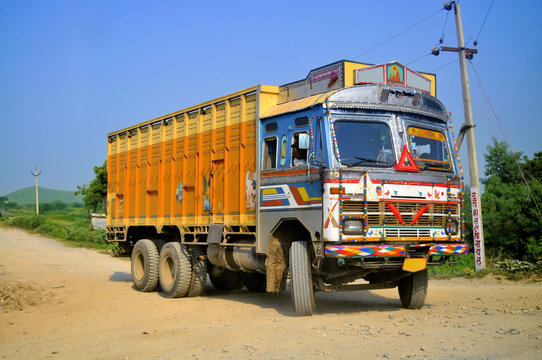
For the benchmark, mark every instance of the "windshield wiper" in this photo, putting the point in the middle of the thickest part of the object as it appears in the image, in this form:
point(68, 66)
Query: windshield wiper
point(425, 165)
point(363, 160)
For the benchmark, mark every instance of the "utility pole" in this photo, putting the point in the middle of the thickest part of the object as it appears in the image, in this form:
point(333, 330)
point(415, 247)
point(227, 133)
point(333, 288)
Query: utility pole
point(468, 129)
point(36, 173)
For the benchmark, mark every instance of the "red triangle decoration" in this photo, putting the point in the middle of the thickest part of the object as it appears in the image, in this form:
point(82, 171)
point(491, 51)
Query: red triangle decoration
point(403, 165)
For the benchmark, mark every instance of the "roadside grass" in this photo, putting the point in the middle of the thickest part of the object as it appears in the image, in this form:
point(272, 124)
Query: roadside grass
point(71, 225)
point(500, 268)
point(464, 268)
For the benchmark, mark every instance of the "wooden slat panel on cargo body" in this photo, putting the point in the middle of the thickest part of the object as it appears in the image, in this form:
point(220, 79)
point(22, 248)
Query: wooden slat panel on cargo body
point(131, 175)
point(219, 132)
point(199, 156)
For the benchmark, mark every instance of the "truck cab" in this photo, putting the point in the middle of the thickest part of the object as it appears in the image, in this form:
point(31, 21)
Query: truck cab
point(379, 196)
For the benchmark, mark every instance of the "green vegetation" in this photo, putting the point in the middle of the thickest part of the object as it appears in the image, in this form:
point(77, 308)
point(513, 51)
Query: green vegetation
point(62, 213)
point(512, 219)
point(27, 196)
point(95, 194)
point(57, 220)
point(499, 267)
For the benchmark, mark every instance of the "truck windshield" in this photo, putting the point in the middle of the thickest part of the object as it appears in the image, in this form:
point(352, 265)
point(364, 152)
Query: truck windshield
point(364, 143)
point(429, 149)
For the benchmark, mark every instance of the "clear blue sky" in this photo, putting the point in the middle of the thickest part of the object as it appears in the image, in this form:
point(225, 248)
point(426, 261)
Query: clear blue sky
point(72, 71)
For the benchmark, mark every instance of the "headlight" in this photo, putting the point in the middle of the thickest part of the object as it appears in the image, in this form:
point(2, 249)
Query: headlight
point(452, 227)
point(352, 227)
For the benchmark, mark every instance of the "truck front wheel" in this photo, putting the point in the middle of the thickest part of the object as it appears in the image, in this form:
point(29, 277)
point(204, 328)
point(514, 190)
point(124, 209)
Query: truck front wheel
point(144, 265)
point(301, 279)
point(413, 289)
point(175, 270)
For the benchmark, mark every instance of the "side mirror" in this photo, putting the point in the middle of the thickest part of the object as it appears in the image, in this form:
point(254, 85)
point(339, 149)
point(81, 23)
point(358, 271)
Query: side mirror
point(303, 139)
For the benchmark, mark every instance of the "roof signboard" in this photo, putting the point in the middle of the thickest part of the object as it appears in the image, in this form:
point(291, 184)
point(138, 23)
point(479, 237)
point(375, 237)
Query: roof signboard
point(392, 74)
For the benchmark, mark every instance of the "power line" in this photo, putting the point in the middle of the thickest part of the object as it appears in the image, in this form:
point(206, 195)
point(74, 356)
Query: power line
point(443, 66)
point(399, 33)
point(444, 28)
point(484, 22)
point(506, 139)
point(418, 59)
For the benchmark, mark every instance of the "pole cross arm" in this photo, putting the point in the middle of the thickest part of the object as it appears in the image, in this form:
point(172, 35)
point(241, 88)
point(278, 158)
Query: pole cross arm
point(457, 49)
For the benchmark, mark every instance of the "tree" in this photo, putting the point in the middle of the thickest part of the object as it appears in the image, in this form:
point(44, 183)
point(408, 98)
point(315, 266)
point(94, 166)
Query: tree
point(511, 221)
point(6, 204)
point(95, 194)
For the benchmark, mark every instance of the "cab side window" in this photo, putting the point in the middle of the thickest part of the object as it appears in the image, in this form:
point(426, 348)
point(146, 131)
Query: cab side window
point(269, 153)
point(319, 143)
point(298, 154)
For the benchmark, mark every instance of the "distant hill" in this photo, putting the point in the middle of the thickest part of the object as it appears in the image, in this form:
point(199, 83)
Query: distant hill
point(28, 196)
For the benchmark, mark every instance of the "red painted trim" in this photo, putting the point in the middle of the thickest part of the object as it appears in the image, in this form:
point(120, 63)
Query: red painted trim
point(287, 173)
point(272, 203)
point(419, 214)
point(404, 200)
point(395, 212)
point(378, 182)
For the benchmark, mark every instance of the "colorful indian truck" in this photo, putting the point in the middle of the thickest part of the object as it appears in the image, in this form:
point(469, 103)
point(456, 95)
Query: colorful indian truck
point(345, 180)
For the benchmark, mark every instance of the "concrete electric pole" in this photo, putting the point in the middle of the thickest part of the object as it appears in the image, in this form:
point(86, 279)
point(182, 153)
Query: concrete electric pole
point(468, 129)
point(36, 173)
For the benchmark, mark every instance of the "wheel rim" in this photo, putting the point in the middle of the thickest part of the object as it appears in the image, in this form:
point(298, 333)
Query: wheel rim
point(139, 266)
point(168, 271)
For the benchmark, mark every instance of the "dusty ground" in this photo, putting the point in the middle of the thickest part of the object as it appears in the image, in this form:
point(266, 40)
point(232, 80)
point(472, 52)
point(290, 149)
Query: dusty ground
point(66, 303)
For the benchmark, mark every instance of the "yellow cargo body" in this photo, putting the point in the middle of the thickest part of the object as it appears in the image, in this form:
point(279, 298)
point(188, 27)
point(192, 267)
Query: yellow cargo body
point(190, 168)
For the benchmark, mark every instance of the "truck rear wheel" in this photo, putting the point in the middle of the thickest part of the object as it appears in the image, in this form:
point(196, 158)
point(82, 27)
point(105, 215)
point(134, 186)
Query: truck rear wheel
point(255, 282)
point(199, 272)
point(174, 270)
point(224, 279)
point(413, 289)
point(301, 279)
point(144, 265)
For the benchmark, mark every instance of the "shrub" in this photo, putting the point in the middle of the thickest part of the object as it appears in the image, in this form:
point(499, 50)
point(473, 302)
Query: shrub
point(83, 235)
point(27, 222)
point(515, 266)
point(53, 206)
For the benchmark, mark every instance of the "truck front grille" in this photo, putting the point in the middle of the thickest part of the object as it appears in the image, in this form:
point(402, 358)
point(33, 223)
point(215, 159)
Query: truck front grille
point(407, 232)
point(377, 211)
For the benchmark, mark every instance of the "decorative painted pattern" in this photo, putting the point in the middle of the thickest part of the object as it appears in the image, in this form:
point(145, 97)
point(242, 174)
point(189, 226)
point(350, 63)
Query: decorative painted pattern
point(449, 249)
point(275, 196)
point(356, 251)
point(285, 196)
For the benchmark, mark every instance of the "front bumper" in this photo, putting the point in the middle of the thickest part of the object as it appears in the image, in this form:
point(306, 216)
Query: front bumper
point(395, 250)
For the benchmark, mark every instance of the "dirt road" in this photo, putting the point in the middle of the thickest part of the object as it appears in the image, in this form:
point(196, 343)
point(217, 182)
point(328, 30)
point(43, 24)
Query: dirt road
point(67, 303)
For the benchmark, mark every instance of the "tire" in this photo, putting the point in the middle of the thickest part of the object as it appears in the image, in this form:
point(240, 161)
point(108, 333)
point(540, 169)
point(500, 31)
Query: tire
point(174, 270)
point(301, 279)
point(255, 282)
point(199, 272)
point(224, 279)
point(413, 289)
point(144, 265)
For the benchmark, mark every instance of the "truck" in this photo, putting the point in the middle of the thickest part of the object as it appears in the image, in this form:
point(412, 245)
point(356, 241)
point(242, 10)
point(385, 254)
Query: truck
point(348, 179)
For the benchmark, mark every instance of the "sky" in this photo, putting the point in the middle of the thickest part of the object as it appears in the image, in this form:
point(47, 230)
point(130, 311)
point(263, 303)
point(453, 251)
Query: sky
point(73, 71)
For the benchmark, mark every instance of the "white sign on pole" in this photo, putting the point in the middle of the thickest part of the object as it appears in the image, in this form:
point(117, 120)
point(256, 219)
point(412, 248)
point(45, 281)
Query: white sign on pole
point(477, 233)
